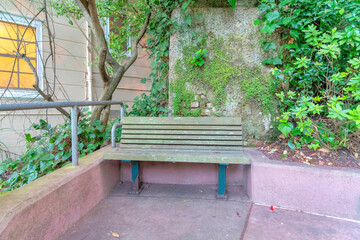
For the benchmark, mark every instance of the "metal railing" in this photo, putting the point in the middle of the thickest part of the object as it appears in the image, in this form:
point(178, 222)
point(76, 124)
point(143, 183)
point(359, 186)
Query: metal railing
point(74, 113)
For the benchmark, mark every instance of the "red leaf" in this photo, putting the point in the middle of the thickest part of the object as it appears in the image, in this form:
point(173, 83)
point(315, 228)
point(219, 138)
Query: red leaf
point(272, 208)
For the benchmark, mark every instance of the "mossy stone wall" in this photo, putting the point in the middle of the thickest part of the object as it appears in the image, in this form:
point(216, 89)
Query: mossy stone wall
point(233, 81)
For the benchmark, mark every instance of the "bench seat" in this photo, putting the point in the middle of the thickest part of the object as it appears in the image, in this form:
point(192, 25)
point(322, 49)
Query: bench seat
point(217, 140)
point(177, 155)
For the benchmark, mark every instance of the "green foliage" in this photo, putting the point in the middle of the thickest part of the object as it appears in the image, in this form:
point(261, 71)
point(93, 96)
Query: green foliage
point(232, 3)
point(130, 14)
point(199, 57)
point(161, 27)
point(218, 73)
point(318, 65)
point(154, 104)
point(51, 149)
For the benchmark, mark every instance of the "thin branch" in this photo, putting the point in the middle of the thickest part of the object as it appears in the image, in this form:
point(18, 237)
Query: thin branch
point(84, 7)
point(102, 67)
point(45, 96)
point(134, 49)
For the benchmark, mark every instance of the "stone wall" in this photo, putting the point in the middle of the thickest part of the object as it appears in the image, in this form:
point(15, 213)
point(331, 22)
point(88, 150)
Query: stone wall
point(241, 38)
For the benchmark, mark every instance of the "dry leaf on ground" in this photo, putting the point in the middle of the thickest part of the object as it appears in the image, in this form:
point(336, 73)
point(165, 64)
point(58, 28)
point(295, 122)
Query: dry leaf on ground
point(325, 150)
point(115, 234)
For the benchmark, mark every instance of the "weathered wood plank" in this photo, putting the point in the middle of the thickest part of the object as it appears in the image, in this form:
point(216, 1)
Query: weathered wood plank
point(182, 127)
point(177, 157)
point(181, 132)
point(188, 151)
point(224, 121)
point(183, 142)
point(180, 147)
point(180, 137)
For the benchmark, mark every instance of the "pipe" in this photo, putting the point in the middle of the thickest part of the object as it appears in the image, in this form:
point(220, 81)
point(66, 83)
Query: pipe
point(74, 136)
point(44, 105)
point(89, 68)
point(74, 113)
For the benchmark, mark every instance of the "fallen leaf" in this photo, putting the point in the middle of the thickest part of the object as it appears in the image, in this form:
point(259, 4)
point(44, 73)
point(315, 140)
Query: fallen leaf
point(273, 150)
point(321, 163)
point(324, 150)
point(200, 190)
point(238, 214)
point(115, 234)
point(282, 136)
point(272, 208)
point(356, 155)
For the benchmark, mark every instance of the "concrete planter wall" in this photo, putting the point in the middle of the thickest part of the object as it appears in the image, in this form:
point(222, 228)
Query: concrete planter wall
point(185, 173)
point(321, 190)
point(49, 206)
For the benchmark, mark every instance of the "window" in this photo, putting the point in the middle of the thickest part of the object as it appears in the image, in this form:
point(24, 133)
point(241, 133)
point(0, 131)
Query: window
point(17, 36)
point(113, 28)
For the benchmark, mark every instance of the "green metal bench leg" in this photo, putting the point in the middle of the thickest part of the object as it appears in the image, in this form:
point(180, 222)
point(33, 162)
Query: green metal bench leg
point(135, 178)
point(222, 193)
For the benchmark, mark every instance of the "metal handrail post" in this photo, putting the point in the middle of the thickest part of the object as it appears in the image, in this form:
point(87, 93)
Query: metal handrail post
point(74, 135)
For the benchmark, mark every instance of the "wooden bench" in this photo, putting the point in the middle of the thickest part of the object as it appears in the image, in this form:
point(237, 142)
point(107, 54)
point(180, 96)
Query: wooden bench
point(183, 139)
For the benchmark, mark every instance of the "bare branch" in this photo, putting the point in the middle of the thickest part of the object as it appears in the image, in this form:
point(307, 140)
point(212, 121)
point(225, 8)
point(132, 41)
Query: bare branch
point(36, 85)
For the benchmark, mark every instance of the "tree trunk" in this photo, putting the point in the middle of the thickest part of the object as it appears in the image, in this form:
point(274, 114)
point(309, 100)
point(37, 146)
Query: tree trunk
point(88, 8)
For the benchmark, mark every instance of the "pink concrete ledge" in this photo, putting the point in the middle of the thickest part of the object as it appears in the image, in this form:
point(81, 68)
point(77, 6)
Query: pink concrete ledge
point(185, 173)
point(321, 190)
point(49, 206)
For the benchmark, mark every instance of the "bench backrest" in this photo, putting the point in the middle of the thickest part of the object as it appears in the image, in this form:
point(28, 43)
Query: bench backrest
point(215, 133)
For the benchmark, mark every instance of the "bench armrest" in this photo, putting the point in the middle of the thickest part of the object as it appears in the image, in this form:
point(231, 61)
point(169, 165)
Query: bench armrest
point(116, 125)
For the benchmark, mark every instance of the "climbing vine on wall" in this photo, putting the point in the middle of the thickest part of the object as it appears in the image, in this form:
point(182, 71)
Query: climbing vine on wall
point(221, 71)
point(160, 29)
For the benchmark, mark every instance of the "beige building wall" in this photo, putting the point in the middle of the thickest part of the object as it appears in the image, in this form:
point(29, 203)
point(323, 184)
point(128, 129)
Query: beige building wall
point(70, 84)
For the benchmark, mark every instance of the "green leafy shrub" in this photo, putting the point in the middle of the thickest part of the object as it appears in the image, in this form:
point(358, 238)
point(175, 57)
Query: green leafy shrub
point(318, 64)
point(199, 57)
point(51, 149)
point(152, 105)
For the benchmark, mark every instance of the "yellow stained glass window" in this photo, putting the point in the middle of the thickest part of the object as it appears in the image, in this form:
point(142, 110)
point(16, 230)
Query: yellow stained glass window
point(14, 71)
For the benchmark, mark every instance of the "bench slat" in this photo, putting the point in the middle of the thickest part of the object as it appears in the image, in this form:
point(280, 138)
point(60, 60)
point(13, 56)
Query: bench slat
point(189, 151)
point(180, 137)
point(181, 132)
point(170, 156)
point(182, 127)
point(226, 121)
point(183, 142)
point(180, 147)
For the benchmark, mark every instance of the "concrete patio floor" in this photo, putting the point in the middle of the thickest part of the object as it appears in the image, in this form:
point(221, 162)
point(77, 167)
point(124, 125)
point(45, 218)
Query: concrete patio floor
point(192, 212)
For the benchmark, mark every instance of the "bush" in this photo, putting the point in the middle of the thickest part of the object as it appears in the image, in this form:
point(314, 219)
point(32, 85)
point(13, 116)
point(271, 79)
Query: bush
point(51, 149)
point(318, 64)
